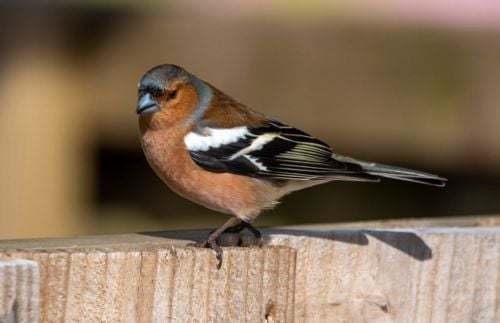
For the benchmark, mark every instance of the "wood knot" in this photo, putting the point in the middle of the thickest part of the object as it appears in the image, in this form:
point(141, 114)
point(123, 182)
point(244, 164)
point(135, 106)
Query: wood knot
point(270, 312)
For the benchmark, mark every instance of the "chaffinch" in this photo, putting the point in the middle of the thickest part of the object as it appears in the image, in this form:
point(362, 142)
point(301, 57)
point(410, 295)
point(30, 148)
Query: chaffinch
point(216, 152)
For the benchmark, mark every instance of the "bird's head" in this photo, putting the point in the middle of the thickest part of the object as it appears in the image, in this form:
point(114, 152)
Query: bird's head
point(168, 92)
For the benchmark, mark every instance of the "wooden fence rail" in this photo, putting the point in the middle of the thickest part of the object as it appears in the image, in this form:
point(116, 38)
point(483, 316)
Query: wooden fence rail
point(442, 270)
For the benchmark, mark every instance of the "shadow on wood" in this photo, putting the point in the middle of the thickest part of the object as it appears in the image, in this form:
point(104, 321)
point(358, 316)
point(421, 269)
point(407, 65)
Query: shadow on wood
point(302, 274)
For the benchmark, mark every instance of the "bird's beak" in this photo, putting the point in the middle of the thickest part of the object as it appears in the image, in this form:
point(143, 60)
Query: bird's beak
point(147, 104)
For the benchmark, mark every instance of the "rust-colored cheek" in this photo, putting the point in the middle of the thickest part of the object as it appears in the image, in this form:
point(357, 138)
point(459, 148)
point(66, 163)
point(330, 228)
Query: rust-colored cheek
point(172, 112)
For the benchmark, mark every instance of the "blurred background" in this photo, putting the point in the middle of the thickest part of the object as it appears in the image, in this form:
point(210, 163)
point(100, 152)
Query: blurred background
point(413, 83)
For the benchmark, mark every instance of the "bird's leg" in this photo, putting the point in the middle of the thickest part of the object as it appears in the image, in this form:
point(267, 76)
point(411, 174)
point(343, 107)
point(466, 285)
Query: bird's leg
point(211, 241)
point(254, 231)
point(242, 226)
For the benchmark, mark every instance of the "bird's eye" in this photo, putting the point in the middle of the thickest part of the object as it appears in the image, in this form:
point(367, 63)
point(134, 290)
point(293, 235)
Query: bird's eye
point(172, 95)
point(156, 92)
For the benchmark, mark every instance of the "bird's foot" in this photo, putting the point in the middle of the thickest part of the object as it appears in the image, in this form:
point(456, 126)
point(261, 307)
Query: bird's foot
point(228, 235)
point(235, 238)
point(212, 244)
point(231, 236)
point(242, 226)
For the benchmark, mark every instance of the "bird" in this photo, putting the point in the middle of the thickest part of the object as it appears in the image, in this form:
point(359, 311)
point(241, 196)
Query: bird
point(215, 151)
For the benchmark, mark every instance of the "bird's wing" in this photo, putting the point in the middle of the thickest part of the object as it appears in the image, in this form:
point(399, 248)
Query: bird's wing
point(274, 151)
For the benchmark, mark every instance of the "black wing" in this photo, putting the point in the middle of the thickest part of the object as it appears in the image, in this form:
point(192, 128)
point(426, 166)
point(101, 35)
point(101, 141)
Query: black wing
point(275, 151)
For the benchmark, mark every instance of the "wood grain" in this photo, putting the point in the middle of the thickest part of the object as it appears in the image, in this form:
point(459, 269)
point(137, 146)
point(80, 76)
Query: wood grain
point(163, 284)
point(410, 275)
point(302, 274)
point(19, 291)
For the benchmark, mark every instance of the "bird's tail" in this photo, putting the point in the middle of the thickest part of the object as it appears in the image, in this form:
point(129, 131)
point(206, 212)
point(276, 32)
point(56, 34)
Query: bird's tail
point(394, 172)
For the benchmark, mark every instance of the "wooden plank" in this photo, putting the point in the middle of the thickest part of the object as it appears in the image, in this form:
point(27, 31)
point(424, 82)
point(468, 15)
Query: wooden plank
point(302, 274)
point(146, 283)
point(19, 291)
point(395, 275)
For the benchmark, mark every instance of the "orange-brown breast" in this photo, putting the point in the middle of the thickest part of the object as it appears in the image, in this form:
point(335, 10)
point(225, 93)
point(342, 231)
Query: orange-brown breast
point(228, 193)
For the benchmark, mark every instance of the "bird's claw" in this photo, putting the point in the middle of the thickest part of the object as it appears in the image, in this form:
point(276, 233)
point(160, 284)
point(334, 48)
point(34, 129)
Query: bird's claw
point(212, 244)
point(242, 226)
point(230, 237)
